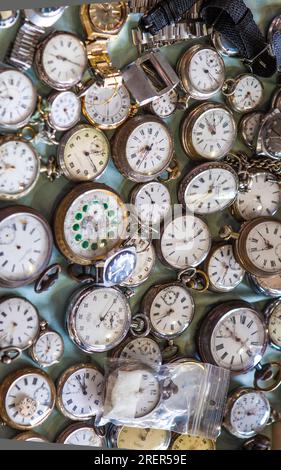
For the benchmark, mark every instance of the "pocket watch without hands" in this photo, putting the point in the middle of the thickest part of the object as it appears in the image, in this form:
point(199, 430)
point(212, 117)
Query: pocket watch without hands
point(80, 392)
point(145, 262)
point(61, 60)
point(208, 132)
point(125, 437)
point(141, 350)
point(25, 245)
point(244, 93)
point(142, 148)
point(208, 188)
point(249, 126)
point(18, 99)
point(27, 398)
point(90, 221)
point(272, 314)
point(233, 335)
point(81, 434)
point(247, 412)
point(186, 442)
point(152, 202)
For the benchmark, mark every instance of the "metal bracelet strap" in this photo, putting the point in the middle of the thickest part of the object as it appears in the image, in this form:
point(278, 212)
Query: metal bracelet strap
point(23, 50)
point(235, 22)
point(141, 6)
point(100, 61)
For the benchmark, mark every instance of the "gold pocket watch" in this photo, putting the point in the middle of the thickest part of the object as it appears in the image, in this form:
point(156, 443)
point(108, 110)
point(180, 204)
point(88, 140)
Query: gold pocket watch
point(152, 202)
point(187, 442)
point(244, 93)
point(208, 131)
point(81, 434)
point(125, 437)
point(27, 398)
point(143, 148)
point(30, 436)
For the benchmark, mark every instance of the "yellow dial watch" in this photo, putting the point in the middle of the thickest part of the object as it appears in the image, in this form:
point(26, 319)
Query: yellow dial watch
point(186, 442)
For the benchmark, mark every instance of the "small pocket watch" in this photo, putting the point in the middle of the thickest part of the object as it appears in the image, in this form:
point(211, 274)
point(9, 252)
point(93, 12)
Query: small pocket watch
point(167, 104)
point(26, 244)
point(269, 137)
point(143, 350)
point(233, 335)
point(48, 348)
point(201, 71)
point(208, 131)
point(83, 153)
point(18, 99)
point(272, 314)
point(90, 222)
point(222, 269)
point(247, 412)
point(124, 437)
point(81, 434)
point(186, 442)
point(152, 202)
point(249, 126)
point(30, 436)
point(64, 110)
point(257, 247)
point(27, 398)
point(244, 93)
point(145, 262)
point(143, 148)
point(8, 18)
point(208, 188)
point(61, 60)
point(80, 392)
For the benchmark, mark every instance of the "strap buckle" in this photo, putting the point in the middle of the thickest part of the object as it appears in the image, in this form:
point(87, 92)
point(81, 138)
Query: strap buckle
point(251, 63)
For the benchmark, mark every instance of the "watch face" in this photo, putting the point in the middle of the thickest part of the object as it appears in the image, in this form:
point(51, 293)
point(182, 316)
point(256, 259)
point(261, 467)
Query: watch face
point(263, 246)
point(250, 125)
point(152, 202)
point(17, 98)
point(107, 17)
point(19, 169)
point(120, 267)
point(19, 324)
point(145, 261)
point(82, 436)
point(274, 325)
point(166, 104)
point(185, 242)
point(271, 135)
point(206, 71)
point(223, 270)
point(99, 319)
point(65, 110)
point(249, 414)
point(247, 94)
point(185, 442)
point(107, 107)
point(261, 199)
point(143, 439)
point(143, 350)
point(48, 348)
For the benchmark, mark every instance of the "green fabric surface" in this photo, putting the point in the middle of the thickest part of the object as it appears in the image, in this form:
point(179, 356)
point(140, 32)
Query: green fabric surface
point(52, 305)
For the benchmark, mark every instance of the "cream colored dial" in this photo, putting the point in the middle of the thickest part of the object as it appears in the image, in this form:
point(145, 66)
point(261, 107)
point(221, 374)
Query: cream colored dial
point(143, 439)
point(186, 442)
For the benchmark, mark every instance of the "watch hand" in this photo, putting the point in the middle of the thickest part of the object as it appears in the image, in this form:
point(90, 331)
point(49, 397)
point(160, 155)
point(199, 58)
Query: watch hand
point(65, 59)
point(265, 240)
point(210, 127)
point(102, 318)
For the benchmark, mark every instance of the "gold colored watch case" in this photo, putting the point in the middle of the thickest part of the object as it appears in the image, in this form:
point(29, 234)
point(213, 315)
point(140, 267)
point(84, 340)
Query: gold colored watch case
point(45, 330)
point(74, 427)
point(191, 442)
point(30, 436)
point(5, 386)
point(93, 31)
point(230, 95)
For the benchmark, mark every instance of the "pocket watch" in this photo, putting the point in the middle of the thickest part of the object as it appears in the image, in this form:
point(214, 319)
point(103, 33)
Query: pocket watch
point(166, 105)
point(269, 286)
point(48, 348)
point(152, 202)
point(222, 269)
point(247, 412)
point(25, 245)
point(272, 314)
point(233, 335)
point(249, 126)
point(81, 434)
point(257, 247)
point(201, 71)
point(125, 437)
point(80, 391)
point(244, 93)
point(83, 153)
point(98, 318)
point(208, 188)
point(269, 140)
point(90, 221)
point(30, 436)
point(276, 99)
point(260, 198)
point(170, 308)
point(142, 148)
point(184, 242)
point(64, 110)
point(143, 350)
point(208, 132)
point(61, 60)
point(8, 18)
point(223, 45)
point(145, 262)
point(18, 99)
point(27, 398)
point(186, 442)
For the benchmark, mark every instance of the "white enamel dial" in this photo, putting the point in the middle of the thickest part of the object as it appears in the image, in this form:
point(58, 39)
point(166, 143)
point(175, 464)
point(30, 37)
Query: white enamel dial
point(100, 319)
point(64, 59)
point(166, 104)
point(145, 262)
point(19, 168)
point(83, 436)
point(237, 341)
point(185, 242)
point(48, 348)
point(261, 199)
point(143, 350)
point(65, 110)
point(148, 148)
point(143, 439)
point(211, 190)
point(17, 98)
point(24, 247)
point(152, 202)
point(248, 93)
point(84, 154)
point(29, 400)
point(250, 125)
point(107, 107)
point(171, 311)
point(274, 326)
point(81, 392)
point(263, 246)
point(206, 71)
point(249, 414)
point(223, 270)
point(19, 322)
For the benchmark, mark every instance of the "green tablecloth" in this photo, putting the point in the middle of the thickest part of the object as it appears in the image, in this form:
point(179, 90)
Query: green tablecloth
point(52, 305)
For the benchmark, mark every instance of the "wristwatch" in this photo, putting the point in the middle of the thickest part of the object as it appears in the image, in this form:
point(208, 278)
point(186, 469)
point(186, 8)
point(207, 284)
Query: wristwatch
point(36, 24)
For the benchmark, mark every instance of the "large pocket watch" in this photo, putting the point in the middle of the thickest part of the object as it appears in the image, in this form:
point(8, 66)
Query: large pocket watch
point(257, 247)
point(244, 93)
point(143, 148)
point(27, 398)
point(80, 392)
point(81, 434)
point(125, 437)
point(25, 245)
point(208, 131)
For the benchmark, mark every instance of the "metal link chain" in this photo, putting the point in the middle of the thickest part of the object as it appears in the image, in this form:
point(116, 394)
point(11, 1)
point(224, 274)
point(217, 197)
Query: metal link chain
point(245, 165)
